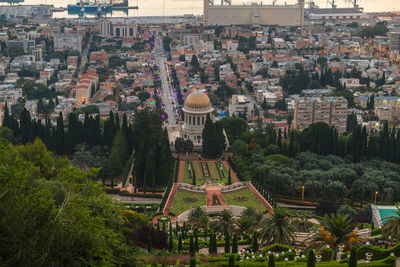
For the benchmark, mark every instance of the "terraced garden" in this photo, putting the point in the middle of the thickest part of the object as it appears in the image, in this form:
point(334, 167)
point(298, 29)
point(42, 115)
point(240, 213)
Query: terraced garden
point(244, 198)
point(211, 172)
point(185, 200)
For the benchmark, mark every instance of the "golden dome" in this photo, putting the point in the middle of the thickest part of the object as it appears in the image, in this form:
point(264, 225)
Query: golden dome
point(197, 99)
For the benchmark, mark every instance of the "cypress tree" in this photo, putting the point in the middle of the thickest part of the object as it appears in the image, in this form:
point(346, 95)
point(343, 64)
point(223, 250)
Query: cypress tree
point(353, 257)
point(26, 126)
point(255, 242)
point(196, 241)
point(271, 260)
point(229, 177)
point(180, 245)
point(279, 141)
point(227, 243)
point(117, 123)
point(311, 259)
point(235, 244)
point(149, 245)
point(291, 145)
point(6, 117)
point(210, 244)
point(163, 226)
point(171, 243)
point(231, 262)
point(60, 136)
point(215, 247)
point(192, 263)
point(191, 247)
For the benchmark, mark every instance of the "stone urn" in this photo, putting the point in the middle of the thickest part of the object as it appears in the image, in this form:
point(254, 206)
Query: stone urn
point(318, 257)
point(368, 256)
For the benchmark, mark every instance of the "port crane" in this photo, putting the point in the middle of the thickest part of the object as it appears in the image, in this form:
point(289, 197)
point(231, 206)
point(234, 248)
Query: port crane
point(332, 3)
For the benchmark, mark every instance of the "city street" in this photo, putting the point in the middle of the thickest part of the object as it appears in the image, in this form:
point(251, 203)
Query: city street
point(167, 93)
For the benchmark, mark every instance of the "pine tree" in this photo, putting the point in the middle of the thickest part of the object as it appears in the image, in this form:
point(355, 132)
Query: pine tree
point(271, 260)
point(180, 245)
point(227, 243)
point(191, 247)
point(235, 244)
point(311, 259)
point(353, 257)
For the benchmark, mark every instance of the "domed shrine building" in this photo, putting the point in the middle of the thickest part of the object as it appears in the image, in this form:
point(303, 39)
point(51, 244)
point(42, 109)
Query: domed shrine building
point(196, 108)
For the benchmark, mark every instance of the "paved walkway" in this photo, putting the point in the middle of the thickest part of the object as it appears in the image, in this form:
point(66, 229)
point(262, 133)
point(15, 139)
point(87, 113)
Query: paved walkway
point(181, 171)
point(214, 189)
point(260, 197)
point(233, 174)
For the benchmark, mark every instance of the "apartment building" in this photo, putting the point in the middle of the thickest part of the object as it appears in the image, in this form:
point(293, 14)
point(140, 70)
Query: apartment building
point(331, 110)
point(68, 42)
point(394, 41)
point(117, 29)
point(241, 105)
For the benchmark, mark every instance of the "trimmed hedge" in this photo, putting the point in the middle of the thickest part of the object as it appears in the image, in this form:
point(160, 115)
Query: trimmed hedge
point(378, 253)
point(125, 193)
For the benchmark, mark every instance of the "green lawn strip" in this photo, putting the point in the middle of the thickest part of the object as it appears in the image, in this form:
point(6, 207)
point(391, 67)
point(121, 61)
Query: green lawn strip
point(186, 179)
point(252, 200)
point(180, 204)
point(218, 171)
point(198, 166)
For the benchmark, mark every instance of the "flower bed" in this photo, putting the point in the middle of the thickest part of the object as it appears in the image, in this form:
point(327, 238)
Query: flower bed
point(205, 169)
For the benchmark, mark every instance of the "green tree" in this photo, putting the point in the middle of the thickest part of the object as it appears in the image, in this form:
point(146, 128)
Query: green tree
point(277, 228)
point(224, 222)
point(149, 244)
point(255, 242)
point(231, 261)
point(311, 259)
point(227, 243)
point(118, 156)
point(197, 216)
point(235, 244)
point(271, 260)
point(192, 251)
point(180, 245)
point(391, 226)
point(335, 229)
point(353, 257)
point(351, 122)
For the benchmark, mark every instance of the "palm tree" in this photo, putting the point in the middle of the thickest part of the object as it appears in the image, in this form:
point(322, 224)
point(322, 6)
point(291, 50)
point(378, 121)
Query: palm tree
point(391, 226)
point(244, 225)
point(335, 229)
point(248, 220)
point(277, 228)
point(224, 223)
point(198, 216)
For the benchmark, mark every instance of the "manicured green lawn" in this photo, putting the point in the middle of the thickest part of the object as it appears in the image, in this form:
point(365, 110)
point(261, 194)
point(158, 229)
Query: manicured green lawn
point(181, 201)
point(250, 199)
point(213, 173)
